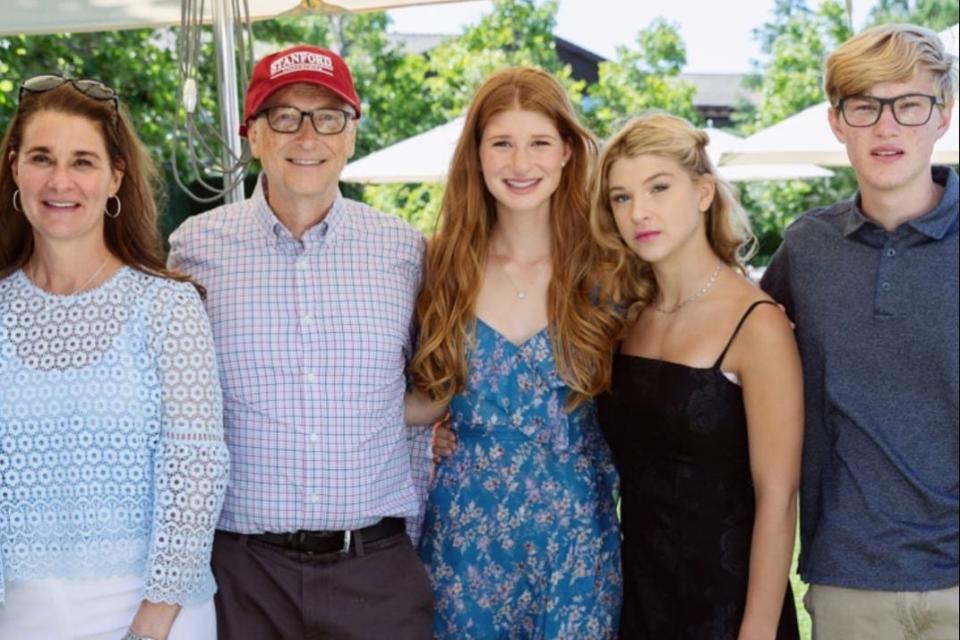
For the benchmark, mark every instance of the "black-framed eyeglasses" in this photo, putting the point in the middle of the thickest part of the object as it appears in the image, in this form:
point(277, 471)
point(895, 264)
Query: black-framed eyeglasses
point(910, 109)
point(327, 121)
point(90, 88)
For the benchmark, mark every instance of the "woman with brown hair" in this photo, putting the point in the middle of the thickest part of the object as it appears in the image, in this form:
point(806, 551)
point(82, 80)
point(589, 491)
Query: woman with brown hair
point(520, 537)
point(705, 414)
point(112, 462)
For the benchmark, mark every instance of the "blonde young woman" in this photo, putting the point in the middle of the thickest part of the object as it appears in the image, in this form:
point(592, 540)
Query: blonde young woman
point(521, 536)
point(705, 413)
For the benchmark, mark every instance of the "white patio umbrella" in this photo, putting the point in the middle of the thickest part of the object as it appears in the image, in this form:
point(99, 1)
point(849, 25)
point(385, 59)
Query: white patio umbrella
point(722, 142)
point(426, 158)
point(806, 136)
point(74, 16)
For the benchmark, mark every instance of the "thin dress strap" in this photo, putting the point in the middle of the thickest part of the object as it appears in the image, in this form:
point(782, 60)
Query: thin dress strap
point(736, 330)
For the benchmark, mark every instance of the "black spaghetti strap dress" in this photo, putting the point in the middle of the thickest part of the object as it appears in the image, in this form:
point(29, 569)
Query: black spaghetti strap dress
point(679, 439)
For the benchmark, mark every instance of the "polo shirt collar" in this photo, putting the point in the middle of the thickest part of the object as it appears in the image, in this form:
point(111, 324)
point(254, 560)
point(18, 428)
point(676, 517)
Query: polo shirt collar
point(938, 222)
point(934, 224)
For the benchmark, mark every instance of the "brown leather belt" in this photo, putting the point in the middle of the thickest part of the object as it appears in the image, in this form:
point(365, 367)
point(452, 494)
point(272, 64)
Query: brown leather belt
point(331, 541)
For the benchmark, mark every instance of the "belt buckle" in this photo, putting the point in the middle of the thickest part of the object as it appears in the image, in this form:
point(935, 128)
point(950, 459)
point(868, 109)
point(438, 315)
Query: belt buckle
point(346, 542)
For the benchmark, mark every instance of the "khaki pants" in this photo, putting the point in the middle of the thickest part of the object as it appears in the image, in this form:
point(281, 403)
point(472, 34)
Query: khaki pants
point(859, 614)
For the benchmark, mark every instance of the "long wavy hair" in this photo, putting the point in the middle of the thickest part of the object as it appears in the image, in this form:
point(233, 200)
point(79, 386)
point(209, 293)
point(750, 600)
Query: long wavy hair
point(727, 225)
point(457, 252)
point(133, 237)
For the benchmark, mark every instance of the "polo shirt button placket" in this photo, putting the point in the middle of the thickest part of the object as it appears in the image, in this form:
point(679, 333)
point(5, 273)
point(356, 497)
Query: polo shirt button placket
point(884, 300)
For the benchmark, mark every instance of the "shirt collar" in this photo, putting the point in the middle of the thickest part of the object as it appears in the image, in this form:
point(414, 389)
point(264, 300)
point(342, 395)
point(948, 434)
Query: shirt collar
point(934, 224)
point(275, 229)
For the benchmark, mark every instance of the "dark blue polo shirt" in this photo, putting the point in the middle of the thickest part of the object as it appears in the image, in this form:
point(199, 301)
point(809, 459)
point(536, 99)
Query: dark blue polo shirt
point(876, 316)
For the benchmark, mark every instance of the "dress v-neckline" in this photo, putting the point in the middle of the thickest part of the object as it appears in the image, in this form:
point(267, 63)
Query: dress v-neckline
point(500, 334)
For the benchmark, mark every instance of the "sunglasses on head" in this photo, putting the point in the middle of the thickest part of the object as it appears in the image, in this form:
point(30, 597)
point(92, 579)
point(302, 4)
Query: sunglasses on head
point(90, 88)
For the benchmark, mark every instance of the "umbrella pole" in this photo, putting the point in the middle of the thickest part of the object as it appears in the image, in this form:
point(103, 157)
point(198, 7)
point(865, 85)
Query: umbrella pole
point(223, 19)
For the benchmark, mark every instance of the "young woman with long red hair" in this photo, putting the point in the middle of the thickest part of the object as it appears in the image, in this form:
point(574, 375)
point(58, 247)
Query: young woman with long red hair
point(520, 537)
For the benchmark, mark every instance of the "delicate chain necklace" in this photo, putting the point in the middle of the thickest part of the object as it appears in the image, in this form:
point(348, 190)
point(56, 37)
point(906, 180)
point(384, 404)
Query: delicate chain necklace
point(86, 283)
point(697, 295)
point(521, 293)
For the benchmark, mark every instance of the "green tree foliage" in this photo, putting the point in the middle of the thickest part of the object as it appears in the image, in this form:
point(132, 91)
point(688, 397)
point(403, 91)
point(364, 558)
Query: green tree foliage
point(139, 64)
point(641, 78)
point(795, 43)
point(935, 14)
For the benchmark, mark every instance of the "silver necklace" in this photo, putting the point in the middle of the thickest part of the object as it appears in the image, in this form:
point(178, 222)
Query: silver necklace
point(86, 283)
point(521, 293)
point(699, 294)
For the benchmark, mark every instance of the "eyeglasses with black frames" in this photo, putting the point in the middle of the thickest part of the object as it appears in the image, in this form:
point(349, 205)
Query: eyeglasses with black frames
point(909, 110)
point(326, 121)
point(90, 88)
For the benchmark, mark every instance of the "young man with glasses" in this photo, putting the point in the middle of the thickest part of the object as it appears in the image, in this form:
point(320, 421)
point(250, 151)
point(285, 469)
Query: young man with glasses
point(872, 285)
point(311, 297)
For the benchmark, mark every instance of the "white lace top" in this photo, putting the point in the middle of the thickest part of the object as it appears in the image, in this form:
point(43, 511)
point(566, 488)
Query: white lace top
point(112, 459)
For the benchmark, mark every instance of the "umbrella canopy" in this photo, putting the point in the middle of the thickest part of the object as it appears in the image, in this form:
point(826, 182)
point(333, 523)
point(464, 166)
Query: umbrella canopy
point(58, 16)
point(423, 158)
point(722, 142)
point(426, 158)
point(806, 136)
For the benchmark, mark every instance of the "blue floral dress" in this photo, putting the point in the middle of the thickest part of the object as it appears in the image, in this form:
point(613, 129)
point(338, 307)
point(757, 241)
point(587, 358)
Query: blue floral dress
point(521, 537)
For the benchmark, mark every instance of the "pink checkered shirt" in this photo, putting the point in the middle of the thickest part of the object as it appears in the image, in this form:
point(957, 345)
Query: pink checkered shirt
point(312, 341)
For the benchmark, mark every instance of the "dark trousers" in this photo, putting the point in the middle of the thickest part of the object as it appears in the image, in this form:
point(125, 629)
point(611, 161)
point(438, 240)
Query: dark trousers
point(379, 590)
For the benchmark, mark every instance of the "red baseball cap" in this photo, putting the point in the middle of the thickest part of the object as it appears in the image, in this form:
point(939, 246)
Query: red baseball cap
point(302, 63)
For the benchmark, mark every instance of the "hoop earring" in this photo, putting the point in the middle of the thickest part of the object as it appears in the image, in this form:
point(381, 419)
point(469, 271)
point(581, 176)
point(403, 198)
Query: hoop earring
point(106, 207)
point(16, 196)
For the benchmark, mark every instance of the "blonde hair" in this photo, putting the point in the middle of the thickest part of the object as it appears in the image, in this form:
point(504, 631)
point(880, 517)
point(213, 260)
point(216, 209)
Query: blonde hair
point(889, 53)
point(457, 252)
point(727, 225)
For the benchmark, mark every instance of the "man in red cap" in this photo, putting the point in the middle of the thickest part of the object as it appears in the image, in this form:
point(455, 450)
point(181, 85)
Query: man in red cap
point(311, 299)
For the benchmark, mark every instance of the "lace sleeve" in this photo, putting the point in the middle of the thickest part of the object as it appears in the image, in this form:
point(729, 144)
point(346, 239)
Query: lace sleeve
point(191, 465)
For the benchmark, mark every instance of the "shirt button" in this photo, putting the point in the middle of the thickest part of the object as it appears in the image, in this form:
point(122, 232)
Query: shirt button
point(313, 437)
point(311, 377)
point(891, 253)
point(307, 320)
point(314, 498)
point(302, 264)
point(886, 286)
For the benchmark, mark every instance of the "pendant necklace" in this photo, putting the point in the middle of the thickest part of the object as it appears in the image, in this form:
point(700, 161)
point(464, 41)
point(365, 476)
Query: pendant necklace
point(521, 293)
